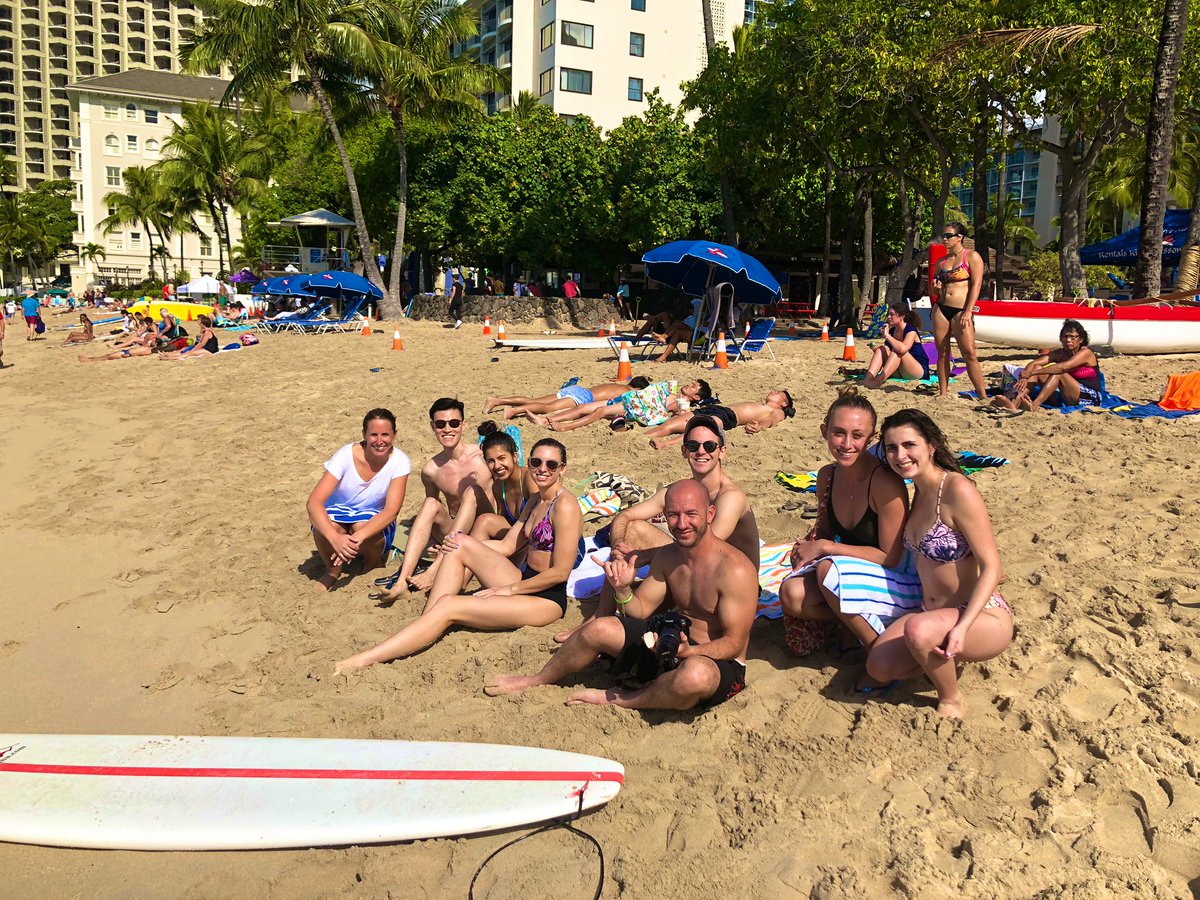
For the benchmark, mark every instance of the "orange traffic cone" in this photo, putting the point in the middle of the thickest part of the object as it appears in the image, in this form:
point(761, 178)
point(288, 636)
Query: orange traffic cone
point(487, 325)
point(397, 344)
point(189, 314)
point(601, 331)
point(747, 328)
point(624, 366)
point(366, 329)
point(792, 329)
point(612, 326)
point(501, 334)
point(848, 352)
point(722, 359)
point(825, 332)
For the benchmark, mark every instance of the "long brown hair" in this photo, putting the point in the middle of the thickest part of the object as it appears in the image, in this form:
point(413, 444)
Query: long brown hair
point(943, 457)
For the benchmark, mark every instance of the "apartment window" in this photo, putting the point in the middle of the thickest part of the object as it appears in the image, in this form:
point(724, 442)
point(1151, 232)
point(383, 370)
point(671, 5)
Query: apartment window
point(112, 176)
point(635, 89)
point(548, 36)
point(131, 112)
point(79, 191)
point(546, 82)
point(116, 241)
point(749, 13)
point(575, 34)
point(112, 145)
point(112, 211)
point(151, 116)
point(152, 147)
point(639, 5)
point(131, 143)
point(205, 245)
point(79, 222)
point(110, 111)
point(135, 240)
point(576, 81)
point(637, 44)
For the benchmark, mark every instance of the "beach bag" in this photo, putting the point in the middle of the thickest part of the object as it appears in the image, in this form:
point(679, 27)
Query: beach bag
point(806, 636)
point(40, 327)
point(249, 340)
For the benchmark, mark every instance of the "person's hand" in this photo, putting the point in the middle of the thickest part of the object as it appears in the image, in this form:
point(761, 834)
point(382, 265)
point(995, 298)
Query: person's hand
point(953, 644)
point(968, 319)
point(805, 552)
point(450, 544)
point(345, 548)
point(685, 649)
point(753, 427)
point(505, 591)
point(620, 574)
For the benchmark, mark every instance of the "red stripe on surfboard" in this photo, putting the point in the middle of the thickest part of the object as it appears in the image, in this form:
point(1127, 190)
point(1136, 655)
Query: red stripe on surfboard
point(330, 774)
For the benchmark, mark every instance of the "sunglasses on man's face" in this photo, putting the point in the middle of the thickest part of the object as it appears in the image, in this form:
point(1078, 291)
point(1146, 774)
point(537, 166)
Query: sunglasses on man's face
point(446, 423)
point(550, 465)
point(949, 235)
point(694, 446)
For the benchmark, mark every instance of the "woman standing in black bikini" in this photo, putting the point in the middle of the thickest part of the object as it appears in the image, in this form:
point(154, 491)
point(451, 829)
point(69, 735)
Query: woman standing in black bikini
point(963, 617)
point(957, 281)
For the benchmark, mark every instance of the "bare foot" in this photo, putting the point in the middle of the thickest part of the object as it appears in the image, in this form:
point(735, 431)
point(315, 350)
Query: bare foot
point(387, 598)
point(594, 696)
point(563, 636)
point(422, 582)
point(489, 404)
point(658, 444)
point(346, 666)
point(497, 685)
point(539, 419)
point(952, 709)
point(326, 582)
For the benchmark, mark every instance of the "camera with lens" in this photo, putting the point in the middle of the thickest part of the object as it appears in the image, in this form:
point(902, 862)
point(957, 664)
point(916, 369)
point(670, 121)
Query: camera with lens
point(671, 627)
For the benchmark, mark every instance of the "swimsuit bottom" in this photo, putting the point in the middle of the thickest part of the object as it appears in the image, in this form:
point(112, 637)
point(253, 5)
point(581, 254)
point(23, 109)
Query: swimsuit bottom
point(723, 414)
point(996, 601)
point(580, 395)
point(949, 311)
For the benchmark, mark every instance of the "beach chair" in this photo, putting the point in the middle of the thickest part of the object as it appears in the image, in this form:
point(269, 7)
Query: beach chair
point(317, 314)
point(757, 341)
point(348, 320)
point(718, 303)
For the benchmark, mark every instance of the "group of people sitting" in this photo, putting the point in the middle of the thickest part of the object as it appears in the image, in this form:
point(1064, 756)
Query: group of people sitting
point(167, 338)
point(916, 584)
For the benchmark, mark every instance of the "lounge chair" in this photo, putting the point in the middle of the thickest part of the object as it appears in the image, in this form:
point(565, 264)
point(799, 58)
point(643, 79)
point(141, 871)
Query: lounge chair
point(286, 324)
point(349, 317)
point(758, 340)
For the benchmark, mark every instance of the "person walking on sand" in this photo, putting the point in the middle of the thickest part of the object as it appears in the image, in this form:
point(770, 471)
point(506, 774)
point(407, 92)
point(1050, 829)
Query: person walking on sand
point(3, 326)
point(455, 300)
point(31, 308)
point(695, 659)
point(958, 278)
point(458, 473)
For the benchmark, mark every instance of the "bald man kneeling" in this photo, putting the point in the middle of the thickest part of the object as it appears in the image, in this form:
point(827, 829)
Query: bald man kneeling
point(703, 584)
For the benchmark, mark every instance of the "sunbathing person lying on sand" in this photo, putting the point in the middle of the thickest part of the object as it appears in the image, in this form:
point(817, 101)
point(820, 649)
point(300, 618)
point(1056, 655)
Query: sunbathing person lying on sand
point(700, 577)
point(650, 406)
point(566, 398)
point(523, 575)
point(963, 617)
point(145, 344)
point(755, 417)
point(85, 335)
point(1071, 372)
point(353, 507)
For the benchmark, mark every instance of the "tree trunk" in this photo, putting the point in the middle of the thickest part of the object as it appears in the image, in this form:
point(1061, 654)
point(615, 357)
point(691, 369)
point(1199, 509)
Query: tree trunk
point(826, 305)
point(1001, 211)
point(846, 269)
point(228, 241)
point(393, 303)
point(979, 182)
point(1070, 228)
point(370, 267)
point(149, 244)
point(710, 37)
point(1160, 128)
point(216, 220)
point(868, 269)
point(898, 277)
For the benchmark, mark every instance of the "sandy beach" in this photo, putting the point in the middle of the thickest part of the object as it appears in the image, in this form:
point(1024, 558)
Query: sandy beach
point(156, 578)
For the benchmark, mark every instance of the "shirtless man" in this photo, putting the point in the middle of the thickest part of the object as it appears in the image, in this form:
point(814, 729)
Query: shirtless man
point(633, 537)
point(649, 406)
point(701, 576)
point(459, 473)
point(566, 398)
point(755, 416)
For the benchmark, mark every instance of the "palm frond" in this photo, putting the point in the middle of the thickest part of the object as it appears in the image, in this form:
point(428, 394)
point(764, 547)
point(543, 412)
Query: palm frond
point(1042, 39)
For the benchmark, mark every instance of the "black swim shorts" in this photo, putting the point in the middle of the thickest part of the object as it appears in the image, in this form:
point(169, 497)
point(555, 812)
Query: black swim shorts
point(638, 664)
point(558, 594)
point(723, 414)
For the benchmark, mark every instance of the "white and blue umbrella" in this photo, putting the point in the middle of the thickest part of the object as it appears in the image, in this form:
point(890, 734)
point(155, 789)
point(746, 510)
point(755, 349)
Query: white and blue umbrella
point(695, 266)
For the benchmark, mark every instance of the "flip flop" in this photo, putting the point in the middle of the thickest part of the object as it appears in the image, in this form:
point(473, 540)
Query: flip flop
point(876, 690)
point(387, 581)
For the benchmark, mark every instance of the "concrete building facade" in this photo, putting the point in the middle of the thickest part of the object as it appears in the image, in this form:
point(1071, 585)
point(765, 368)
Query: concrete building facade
point(45, 45)
point(123, 121)
point(599, 58)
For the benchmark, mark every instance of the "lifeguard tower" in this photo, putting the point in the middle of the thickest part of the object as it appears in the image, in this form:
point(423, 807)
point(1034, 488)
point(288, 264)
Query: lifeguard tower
point(318, 232)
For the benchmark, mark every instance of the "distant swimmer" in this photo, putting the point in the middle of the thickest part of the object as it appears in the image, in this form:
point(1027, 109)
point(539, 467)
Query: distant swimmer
point(692, 651)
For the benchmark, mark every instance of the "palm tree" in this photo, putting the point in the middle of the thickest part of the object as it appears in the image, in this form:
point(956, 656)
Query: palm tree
point(16, 227)
point(522, 109)
point(8, 171)
point(417, 75)
point(209, 157)
point(710, 41)
point(140, 203)
point(91, 252)
point(269, 39)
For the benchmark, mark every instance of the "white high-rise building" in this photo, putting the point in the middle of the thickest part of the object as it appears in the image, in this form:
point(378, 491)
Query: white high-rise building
point(600, 58)
point(47, 44)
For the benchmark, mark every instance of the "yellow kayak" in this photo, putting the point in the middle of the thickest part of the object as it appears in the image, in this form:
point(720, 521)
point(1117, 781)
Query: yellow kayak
point(184, 312)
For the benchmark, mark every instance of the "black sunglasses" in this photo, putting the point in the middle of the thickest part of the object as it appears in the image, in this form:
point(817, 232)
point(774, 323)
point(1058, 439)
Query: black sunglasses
point(446, 423)
point(550, 465)
point(693, 446)
point(952, 234)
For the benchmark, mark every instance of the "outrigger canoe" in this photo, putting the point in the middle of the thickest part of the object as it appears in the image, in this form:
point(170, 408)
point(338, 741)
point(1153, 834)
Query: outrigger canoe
point(1138, 329)
point(182, 311)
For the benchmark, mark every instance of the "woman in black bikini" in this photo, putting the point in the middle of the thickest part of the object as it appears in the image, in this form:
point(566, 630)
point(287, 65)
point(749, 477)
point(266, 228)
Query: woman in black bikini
point(524, 574)
point(856, 488)
point(963, 617)
point(206, 343)
point(957, 282)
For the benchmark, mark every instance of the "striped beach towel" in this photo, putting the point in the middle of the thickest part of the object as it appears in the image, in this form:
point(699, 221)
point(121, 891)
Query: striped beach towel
point(773, 566)
point(869, 590)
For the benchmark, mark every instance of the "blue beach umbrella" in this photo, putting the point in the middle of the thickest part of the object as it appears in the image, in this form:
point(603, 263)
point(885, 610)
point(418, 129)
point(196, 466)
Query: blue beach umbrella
point(334, 282)
point(694, 266)
point(285, 286)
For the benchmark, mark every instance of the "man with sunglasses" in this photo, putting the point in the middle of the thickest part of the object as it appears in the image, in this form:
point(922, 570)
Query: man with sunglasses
point(700, 576)
point(457, 472)
point(634, 536)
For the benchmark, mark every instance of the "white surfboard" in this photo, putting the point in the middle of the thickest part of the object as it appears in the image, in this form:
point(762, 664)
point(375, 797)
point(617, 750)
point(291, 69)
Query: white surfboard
point(570, 343)
point(234, 793)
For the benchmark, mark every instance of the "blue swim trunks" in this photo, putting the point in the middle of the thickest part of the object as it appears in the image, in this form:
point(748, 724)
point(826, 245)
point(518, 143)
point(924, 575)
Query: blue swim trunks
point(579, 394)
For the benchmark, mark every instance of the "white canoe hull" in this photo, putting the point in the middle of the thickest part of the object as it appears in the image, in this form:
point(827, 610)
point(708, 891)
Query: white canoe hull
point(1133, 330)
